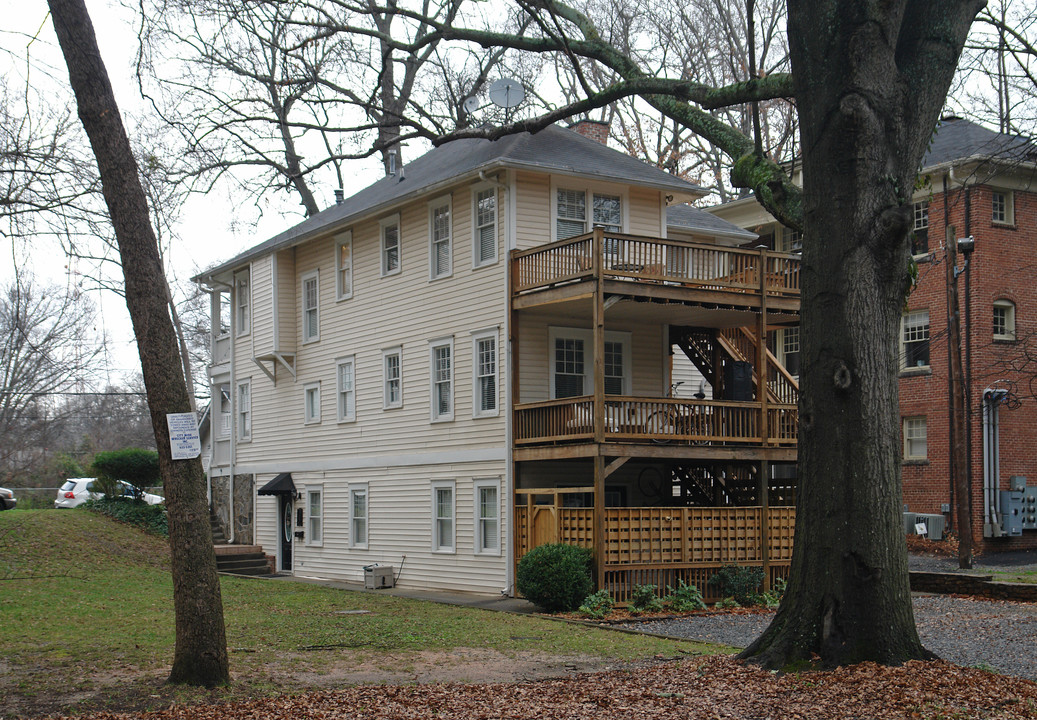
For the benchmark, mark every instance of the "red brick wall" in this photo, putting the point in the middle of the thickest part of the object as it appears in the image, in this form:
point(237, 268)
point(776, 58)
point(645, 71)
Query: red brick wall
point(1003, 266)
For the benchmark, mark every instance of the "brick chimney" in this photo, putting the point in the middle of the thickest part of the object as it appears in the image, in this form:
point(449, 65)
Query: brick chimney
point(593, 129)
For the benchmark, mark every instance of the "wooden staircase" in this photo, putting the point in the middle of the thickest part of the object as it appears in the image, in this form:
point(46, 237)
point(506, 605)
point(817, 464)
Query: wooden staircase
point(237, 559)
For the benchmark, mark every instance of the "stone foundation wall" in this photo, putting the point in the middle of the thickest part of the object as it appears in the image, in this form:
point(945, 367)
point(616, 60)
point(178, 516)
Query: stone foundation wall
point(244, 523)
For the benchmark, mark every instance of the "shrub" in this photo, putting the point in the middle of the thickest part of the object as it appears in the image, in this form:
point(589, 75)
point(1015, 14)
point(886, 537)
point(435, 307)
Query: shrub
point(741, 583)
point(150, 518)
point(728, 603)
point(685, 598)
point(644, 600)
point(772, 598)
point(136, 466)
point(598, 605)
point(555, 577)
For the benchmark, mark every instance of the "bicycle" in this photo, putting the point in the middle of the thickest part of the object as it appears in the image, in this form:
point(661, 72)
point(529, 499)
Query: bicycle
point(675, 421)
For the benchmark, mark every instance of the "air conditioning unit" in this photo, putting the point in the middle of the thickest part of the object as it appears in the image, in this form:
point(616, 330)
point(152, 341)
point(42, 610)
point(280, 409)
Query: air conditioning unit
point(933, 525)
point(377, 577)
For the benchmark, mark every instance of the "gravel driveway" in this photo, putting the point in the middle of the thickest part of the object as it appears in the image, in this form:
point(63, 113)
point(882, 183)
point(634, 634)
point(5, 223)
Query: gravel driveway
point(971, 632)
point(987, 633)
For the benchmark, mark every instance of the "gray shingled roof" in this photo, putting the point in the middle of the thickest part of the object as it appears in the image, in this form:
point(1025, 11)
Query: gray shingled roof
point(960, 139)
point(554, 149)
point(687, 217)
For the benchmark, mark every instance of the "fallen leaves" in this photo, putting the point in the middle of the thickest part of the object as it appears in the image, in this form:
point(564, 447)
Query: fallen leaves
point(718, 688)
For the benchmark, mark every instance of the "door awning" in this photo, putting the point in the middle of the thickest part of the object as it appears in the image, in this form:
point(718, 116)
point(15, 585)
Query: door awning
point(280, 485)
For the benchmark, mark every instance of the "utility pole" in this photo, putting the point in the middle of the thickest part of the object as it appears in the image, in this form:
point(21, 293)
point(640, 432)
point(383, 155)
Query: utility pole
point(958, 407)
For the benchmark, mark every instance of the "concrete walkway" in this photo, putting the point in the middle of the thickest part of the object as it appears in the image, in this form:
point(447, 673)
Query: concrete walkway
point(500, 603)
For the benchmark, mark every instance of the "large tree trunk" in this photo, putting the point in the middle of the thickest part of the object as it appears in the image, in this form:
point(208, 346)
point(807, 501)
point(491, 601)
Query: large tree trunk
point(200, 656)
point(870, 81)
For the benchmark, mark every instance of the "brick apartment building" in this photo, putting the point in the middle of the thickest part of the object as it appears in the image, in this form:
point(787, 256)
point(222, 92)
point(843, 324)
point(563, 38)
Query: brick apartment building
point(983, 185)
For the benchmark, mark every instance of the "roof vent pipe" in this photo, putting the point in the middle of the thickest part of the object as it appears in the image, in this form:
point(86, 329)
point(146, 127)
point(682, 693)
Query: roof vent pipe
point(340, 196)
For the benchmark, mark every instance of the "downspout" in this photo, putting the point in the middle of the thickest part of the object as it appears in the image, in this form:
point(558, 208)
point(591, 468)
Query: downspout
point(950, 237)
point(233, 417)
point(992, 398)
point(509, 479)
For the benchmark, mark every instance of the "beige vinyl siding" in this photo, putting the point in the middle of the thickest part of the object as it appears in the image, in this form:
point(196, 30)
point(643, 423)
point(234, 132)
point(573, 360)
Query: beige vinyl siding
point(644, 212)
point(267, 529)
point(532, 210)
point(684, 371)
point(287, 316)
point(534, 200)
point(400, 523)
point(646, 356)
point(405, 310)
point(262, 306)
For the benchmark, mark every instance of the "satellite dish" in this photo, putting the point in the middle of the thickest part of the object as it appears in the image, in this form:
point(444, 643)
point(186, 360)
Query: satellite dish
point(506, 93)
point(471, 104)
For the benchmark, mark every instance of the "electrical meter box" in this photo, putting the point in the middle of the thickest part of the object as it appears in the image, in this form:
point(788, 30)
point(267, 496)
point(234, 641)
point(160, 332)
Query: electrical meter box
point(1012, 507)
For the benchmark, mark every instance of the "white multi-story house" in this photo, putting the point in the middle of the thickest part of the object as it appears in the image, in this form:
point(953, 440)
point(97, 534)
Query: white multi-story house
point(477, 355)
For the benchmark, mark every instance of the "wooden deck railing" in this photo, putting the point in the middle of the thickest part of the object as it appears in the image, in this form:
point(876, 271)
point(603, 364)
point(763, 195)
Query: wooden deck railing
point(673, 262)
point(660, 420)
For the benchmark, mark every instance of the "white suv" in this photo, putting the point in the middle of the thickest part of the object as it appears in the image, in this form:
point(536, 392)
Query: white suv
point(77, 491)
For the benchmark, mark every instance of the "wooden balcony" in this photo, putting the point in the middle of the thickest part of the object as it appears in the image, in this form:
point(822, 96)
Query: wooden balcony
point(653, 267)
point(657, 422)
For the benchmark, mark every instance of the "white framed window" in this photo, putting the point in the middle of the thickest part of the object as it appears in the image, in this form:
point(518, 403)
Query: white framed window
point(572, 362)
point(443, 517)
point(572, 216)
point(484, 374)
point(788, 344)
point(440, 232)
point(311, 307)
point(243, 303)
point(484, 225)
point(441, 364)
point(345, 373)
point(920, 231)
point(390, 245)
point(311, 403)
point(1002, 207)
point(344, 266)
point(914, 340)
point(789, 240)
point(221, 312)
point(487, 516)
point(314, 516)
point(244, 410)
point(392, 378)
point(915, 438)
point(358, 516)
point(1004, 320)
point(225, 411)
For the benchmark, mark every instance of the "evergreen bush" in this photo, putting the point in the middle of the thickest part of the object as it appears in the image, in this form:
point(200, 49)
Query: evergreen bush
point(555, 577)
point(741, 583)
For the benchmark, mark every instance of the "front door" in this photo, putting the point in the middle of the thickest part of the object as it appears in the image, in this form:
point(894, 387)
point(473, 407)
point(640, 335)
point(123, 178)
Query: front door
point(285, 517)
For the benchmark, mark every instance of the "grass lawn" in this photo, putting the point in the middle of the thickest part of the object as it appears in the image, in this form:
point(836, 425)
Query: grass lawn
point(1028, 576)
point(88, 623)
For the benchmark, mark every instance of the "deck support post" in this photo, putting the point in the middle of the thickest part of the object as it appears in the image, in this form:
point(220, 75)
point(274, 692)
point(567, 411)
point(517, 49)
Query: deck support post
point(599, 521)
point(598, 320)
point(765, 531)
point(761, 352)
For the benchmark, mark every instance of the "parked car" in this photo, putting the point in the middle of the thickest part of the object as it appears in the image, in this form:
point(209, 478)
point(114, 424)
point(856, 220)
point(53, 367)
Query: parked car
point(77, 491)
point(7, 499)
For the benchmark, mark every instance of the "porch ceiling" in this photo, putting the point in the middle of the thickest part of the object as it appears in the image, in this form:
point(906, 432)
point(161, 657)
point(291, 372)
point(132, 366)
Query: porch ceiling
point(628, 311)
